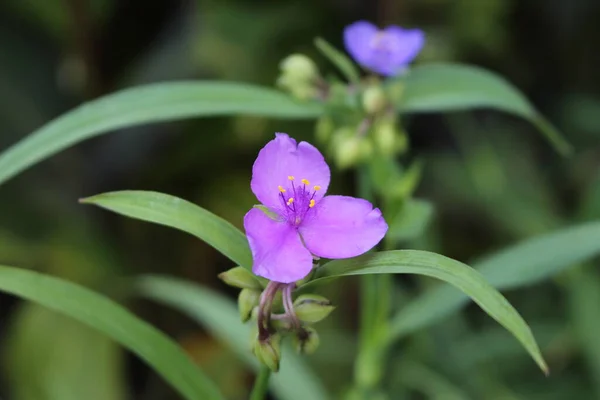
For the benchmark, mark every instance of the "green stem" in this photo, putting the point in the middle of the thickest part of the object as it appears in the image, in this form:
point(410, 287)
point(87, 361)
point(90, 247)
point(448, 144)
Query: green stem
point(261, 384)
point(375, 292)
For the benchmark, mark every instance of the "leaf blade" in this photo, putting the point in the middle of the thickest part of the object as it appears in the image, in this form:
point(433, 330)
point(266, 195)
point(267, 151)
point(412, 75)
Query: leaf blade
point(167, 210)
point(524, 264)
point(338, 59)
point(437, 266)
point(149, 104)
point(113, 320)
point(455, 87)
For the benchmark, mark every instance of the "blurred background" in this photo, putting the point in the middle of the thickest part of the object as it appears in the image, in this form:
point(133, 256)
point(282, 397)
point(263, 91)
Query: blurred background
point(492, 179)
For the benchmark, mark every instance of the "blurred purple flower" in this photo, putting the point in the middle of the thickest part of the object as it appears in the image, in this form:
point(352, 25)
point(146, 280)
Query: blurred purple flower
point(291, 179)
point(387, 51)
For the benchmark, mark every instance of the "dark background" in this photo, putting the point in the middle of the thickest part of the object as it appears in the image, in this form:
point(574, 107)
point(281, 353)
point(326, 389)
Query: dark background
point(492, 178)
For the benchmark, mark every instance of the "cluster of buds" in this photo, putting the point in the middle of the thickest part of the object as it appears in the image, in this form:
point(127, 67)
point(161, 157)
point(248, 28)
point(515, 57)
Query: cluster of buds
point(362, 123)
point(300, 77)
point(271, 306)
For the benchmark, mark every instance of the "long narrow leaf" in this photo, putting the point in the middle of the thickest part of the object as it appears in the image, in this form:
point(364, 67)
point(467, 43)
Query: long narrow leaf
point(446, 269)
point(455, 87)
point(148, 104)
point(526, 263)
point(106, 316)
point(180, 214)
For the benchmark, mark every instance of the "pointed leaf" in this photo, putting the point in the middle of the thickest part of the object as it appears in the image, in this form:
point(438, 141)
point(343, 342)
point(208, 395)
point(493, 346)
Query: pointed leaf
point(455, 87)
point(526, 263)
point(180, 214)
point(111, 319)
point(148, 104)
point(437, 266)
point(219, 315)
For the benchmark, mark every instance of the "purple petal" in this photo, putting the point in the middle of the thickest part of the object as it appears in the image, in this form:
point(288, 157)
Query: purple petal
point(358, 38)
point(342, 227)
point(407, 44)
point(282, 158)
point(386, 51)
point(277, 251)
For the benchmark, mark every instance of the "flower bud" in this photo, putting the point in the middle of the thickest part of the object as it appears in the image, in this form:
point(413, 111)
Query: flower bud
point(306, 341)
point(299, 67)
point(374, 99)
point(241, 278)
point(346, 148)
point(284, 324)
point(247, 300)
point(268, 351)
point(389, 140)
point(311, 308)
point(324, 128)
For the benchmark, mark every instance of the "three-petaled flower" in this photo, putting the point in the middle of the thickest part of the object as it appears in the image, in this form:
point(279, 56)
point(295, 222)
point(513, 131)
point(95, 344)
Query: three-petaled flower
point(291, 180)
point(387, 51)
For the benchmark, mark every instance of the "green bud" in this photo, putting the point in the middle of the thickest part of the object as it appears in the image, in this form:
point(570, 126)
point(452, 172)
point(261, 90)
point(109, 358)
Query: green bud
point(268, 351)
point(311, 308)
point(299, 67)
point(247, 300)
point(395, 91)
point(324, 128)
point(346, 148)
point(306, 341)
point(241, 278)
point(281, 324)
point(374, 99)
point(389, 140)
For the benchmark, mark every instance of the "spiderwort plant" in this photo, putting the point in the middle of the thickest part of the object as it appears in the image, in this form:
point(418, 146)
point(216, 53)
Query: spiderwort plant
point(360, 128)
point(296, 225)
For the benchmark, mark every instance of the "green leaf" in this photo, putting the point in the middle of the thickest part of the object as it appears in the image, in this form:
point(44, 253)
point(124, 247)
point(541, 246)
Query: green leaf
point(180, 214)
point(339, 59)
point(111, 319)
point(526, 263)
point(147, 104)
point(455, 87)
point(446, 269)
point(219, 315)
point(50, 356)
point(583, 289)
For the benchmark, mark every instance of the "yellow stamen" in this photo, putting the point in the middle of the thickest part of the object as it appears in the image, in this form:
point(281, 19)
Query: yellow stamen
point(305, 181)
point(282, 190)
point(290, 201)
point(312, 203)
point(317, 187)
point(290, 177)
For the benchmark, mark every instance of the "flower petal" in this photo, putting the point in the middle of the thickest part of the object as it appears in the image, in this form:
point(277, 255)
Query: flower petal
point(282, 158)
point(407, 43)
point(342, 227)
point(276, 247)
point(358, 38)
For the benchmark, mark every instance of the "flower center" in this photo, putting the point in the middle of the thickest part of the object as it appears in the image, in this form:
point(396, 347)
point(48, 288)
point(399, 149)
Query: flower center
point(297, 200)
point(382, 43)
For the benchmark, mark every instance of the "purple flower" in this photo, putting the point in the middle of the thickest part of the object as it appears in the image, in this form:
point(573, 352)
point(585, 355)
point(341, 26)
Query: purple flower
point(387, 51)
point(291, 179)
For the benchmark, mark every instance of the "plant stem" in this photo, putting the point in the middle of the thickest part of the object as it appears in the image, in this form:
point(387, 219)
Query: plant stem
point(261, 384)
point(375, 292)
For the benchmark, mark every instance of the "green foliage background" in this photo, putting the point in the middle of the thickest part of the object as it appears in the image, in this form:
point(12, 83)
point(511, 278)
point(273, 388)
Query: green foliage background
point(491, 179)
